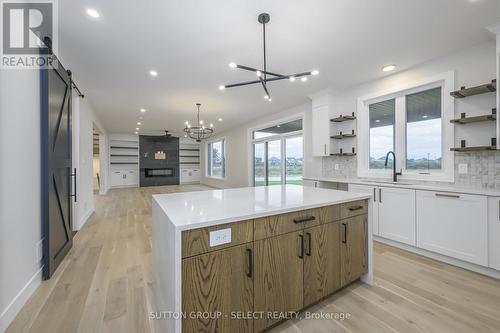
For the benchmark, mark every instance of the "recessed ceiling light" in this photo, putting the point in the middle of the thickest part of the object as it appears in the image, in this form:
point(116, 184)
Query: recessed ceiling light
point(137, 128)
point(315, 72)
point(153, 73)
point(136, 132)
point(389, 68)
point(303, 79)
point(220, 119)
point(139, 123)
point(142, 110)
point(93, 13)
point(278, 126)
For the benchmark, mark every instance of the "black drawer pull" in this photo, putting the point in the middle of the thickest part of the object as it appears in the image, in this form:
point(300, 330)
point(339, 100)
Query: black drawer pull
point(309, 241)
point(249, 263)
point(353, 208)
point(301, 253)
point(345, 233)
point(304, 219)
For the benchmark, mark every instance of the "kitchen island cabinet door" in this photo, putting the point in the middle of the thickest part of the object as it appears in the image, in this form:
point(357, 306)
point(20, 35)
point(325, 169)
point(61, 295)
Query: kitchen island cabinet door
point(321, 262)
point(218, 282)
point(353, 248)
point(278, 279)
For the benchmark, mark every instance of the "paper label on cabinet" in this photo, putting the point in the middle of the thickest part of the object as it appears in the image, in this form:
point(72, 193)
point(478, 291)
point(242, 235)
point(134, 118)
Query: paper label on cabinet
point(220, 237)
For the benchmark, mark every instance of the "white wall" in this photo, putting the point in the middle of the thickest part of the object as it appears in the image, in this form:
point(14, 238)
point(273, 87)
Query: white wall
point(238, 150)
point(20, 216)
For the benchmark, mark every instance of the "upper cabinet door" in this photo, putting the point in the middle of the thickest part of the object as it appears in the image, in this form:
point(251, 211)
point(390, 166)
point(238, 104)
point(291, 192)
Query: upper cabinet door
point(321, 131)
point(321, 261)
point(453, 224)
point(218, 281)
point(278, 280)
point(396, 214)
point(353, 248)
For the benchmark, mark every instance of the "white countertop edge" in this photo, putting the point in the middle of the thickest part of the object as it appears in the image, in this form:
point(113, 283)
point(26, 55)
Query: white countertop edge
point(423, 187)
point(238, 218)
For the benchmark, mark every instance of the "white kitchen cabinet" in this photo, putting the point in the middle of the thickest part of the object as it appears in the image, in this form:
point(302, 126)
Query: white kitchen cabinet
point(396, 214)
point(453, 224)
point(311, 183)
point(190, 175)
point(321, 131)
point(124, 178)
point(372, 190)
point(393, 212)
point(494, 232)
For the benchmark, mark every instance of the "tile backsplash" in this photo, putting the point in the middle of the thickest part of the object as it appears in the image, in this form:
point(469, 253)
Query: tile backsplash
point(483, 169)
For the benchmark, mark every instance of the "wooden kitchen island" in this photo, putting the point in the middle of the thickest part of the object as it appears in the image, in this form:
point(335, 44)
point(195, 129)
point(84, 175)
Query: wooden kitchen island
point(245, 259)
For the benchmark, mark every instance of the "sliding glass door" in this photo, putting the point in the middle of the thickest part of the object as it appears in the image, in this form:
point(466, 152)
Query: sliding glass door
point(278, 154)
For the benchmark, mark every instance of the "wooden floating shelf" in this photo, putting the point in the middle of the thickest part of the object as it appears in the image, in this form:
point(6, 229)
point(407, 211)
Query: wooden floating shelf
point(124, 155)
point(472, 149)
point(343, 154)
point(186, 149)
point(468, 120)
point(482, 89)
point(343, 118)
point(188, 156)
point(117, 147)
point(343, 136)
point(124, 163)
point(189, 163)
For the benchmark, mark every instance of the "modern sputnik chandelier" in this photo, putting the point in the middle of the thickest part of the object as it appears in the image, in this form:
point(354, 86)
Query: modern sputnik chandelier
point(265, 76)
point(200, 131)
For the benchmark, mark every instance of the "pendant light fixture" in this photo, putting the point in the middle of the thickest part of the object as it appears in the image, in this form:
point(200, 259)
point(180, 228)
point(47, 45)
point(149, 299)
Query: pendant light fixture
point(199, 131)
point(265, 76)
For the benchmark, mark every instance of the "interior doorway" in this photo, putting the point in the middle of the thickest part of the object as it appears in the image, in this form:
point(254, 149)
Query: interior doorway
point(96, 163)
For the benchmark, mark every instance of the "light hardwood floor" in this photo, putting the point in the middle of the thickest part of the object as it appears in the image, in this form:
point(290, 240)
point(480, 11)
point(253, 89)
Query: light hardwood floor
point(105, 285)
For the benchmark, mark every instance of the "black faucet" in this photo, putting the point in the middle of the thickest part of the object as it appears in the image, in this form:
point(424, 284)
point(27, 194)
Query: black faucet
point(394, 173)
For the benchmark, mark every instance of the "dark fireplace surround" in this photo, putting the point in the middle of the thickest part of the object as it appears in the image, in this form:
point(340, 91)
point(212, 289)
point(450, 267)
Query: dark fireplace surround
point(162, 169)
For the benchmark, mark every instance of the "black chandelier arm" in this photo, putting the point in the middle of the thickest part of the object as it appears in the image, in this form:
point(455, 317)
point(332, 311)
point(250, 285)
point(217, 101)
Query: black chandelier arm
point(268, 80)
point(264, 86)
point(251, 69)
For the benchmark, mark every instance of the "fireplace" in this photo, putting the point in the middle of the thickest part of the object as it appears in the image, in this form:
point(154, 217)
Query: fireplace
point(159, 172)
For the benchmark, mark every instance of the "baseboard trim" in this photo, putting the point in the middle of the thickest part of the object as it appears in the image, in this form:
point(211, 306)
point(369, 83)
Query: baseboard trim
point(85, 218)
point(493, 273)
point(19, 300)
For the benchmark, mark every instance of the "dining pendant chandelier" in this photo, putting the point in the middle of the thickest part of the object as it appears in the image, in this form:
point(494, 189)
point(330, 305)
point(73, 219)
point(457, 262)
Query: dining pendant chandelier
point(265, 76)
point(200, 131)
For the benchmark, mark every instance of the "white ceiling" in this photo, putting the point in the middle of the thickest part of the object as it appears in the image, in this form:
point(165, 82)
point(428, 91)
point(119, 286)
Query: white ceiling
point(190, 43)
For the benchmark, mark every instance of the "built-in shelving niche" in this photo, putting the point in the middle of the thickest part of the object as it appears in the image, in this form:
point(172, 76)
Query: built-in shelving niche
point(189, 160)
point(341, 133)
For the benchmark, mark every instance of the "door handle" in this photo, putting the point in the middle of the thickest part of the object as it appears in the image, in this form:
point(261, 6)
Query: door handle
point(249, 263)
point(301, 253)
point(309, 241)
point(379, 195)
point(304, 219)
point(345, 233)
point(75, 198)
point(455, 196)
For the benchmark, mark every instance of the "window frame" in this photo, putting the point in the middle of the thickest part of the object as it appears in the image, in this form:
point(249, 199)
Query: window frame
point(447, 173)
point(208, 158)
point(282, 137)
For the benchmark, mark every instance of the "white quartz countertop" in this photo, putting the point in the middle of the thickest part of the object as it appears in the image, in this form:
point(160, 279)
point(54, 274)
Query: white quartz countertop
point(191, 210)
point(406, 184)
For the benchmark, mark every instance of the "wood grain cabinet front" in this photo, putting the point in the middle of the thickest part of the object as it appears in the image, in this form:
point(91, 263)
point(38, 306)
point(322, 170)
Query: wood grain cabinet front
point(321, 262)
point(215, 286)
point(353, 248)
point(278, 280)
point(275, 225)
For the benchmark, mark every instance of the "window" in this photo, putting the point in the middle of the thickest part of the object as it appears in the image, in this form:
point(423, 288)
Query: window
point(278, 154)
point(423, 130)
point(216, 159)
point(382, 121)
point(414, 123)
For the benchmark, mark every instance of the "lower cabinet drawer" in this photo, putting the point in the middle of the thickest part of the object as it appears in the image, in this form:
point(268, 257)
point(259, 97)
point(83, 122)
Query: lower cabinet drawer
point(275, 225)
point(203, 240)
point(355, 208)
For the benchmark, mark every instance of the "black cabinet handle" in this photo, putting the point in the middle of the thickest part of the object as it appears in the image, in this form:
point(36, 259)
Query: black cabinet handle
point(301, 254)
point(304, 219)
point(353, 208)
point(345, 233)
point(74, 185)
point(375, 194)
point(309, 241)
point(249, 263)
